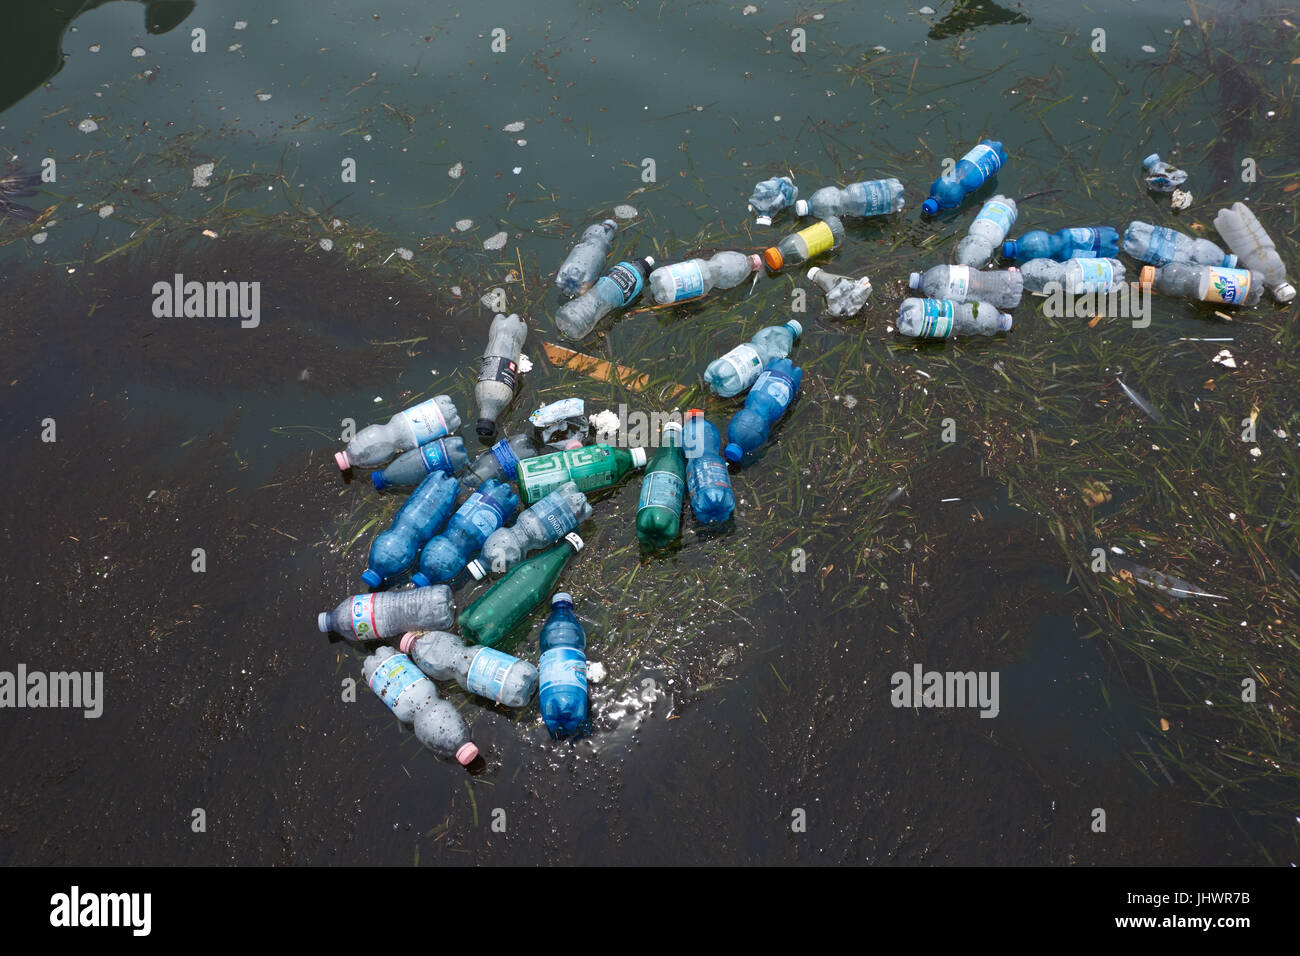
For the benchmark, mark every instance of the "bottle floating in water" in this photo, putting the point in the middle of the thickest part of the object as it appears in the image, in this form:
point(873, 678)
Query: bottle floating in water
point(501, 461)
point(707, 477)
point(805, 244)
point(1216, 284)
point(562, 671)
point(414, 699)
point(498, 376)
point(583, 264)
point(1254, 249)
point(592, 467)
point(943, 318)
point(696, 277)
point(844, 295)
point(409, 428)
point(771, 196)
point(876, 197)
point(964, 284)
point(971, 172)
point(766, 402)
point(987, 232)
point(514, 596)
point(1162, 177)
point(544, 523)
point(445, 556)
point(616, 289)
point(736, 371)
point(1073, 276)
point(1079, 242)
point(659, 506)
point(447, 455)
point(418, 520)
point(500, 677)
point(1160, 246)
point(369, 617)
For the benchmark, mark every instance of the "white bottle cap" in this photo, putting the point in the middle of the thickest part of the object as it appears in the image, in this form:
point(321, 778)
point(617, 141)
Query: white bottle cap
point(559, 596)
point(638, 457)
point(574, 540)
point(672, 426)
point(801, 207)
point(814, 272)
point(476, 569)
point(763, 221)
point(1284, 292)
point(914, 280)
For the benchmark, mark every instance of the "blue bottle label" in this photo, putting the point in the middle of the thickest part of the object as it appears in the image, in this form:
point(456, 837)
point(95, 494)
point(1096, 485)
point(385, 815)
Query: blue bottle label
point(1085, 243)
point(1162, 246)
point(435, 457)
point(479, 513)
point(505, 456)
point(985, 159)
point(561, 668)
point(626, 280)
point(998, 212)
point(705, 473)
point(777, 385)
point(555, 517)
point(425, 421)
point(936, 319)
point(487, 673)
point(392, 677)
point(661, 489)
point(878, 197)
point(363, 617)
point(687, 279)
point(1096, 275)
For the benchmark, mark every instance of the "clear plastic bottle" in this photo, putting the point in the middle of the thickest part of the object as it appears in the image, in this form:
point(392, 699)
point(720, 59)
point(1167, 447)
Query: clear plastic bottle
point(562, 671)
point(1162, 177)
point(1078, 242)
point(707, 478)
point(1158, 246)
point(409, 428)
point(1254, 248)
point(414, 699)
point(369, 617)
point(1073, 276)
point(844, 295)
point(875, 197)
point(1204, 283)
point(696, 277)
point(971, 172)
point(496, 675)
point(501, 461)
point(771, 196)
point(766, 402)
point(616, 289)
point(943, 318)
point(805, 244)
point(418, 520)
point(987, 232)
point(445, 556)
point(1002, 288)
point(583, 264)
point(736, 371)
point(447, 455)
point(498, 376)
point(544, 523)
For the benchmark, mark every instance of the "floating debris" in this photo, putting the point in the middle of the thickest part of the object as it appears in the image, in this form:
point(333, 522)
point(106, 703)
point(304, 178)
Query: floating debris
point(87, 126)
point(926, 11)
point(749, 8)
point(1171, 584)
point(606, 425)
point(105, 211)
point(595, 672)
point(1139, 401)
point(455, 171)
point(40, 237)
point(625, 212)
point(138, 52)
point(1146, 48)
point(405, 253)
point(243, 24)
point(495, 241)
point(209, 233)
point(326, 244)
point(598, 368)
point(1180, 199)
point(202, 175)
point(95, 48)
point(464, 224)
point(515, 127)
point(457, 291)
point(1225, 359)
point(525, 364)
point(234, 47)
point(263, 97)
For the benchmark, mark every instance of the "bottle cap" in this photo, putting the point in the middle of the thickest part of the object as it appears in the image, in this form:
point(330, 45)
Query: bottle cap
point(611, 225)
point(561, 597)
point(408, 641)
point(693, 413)
point(672, 426)
point(1151, 160)
point(466, 754)
point(638, 458)
point(733, 452)
point(476, 569)
point(323, 622)
point(1284, 292)
point(814, 272)
point(1230, 261)
point(371, 578)
point(773, 258)
point(574, 541)
point(341, 459)
point(420, 579)
point(930, 207)
point(1009, 249)
point(378, 480)
point(486, 428)
point(1147, 277)
point(1004, 321)
point(914, 280)
point(649, 262)
point(796, 327)
point(755, 262)
point(763, 220)
point(802, 207)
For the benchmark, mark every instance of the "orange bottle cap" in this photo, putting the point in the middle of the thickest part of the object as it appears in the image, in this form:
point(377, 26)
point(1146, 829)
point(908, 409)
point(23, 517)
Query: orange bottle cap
point(773, 258)
point(1147, 277)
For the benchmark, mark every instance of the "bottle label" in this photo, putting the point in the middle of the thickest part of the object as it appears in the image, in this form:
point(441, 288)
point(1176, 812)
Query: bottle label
point(936, 319)
point(626, 280)
point(661, 489)
point(487, 673)
point(505, 456)
point(1162, 246)
point(363, 617)
point(878, 197)
point(561, 668)
point(1095, 275)
point(1229, 286)
point(707, 472)
point(779, 386)
point(818, 238)
point(745, 360)
point(958, 281)
point(392, 677)
point(591, 467)
point(556, 517)
point(687, 279)
point(497, 368)
point(425, 421)
point(985, 159)
point(1085, 243)
point(998, 212)
point(435, 457)
point(481, 515)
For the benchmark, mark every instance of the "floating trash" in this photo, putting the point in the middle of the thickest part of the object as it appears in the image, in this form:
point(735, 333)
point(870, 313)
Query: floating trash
point(40, 237)
point(456, 171)
point(625, 212)
point(138, 52)
point(95, 48)
point(516, 127)
point(495, 241)
point(105, 211)
point(464, 224)
point(243, 24)
point(202, 175)
point(405, 253)
point(87, 126)
point(1225, 359)
point(263, 97)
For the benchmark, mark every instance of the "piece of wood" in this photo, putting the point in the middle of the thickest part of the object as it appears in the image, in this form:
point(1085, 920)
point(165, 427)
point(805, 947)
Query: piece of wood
point(598, 368)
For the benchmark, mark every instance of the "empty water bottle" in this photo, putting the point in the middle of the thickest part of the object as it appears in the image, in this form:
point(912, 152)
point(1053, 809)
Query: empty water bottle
point(805, 244)
point(1216, 284)
point(418, 520)
point(369, 617)
point(544, 523)
point(498, 376)
point(697, 277)
point(971, 172)
point(583, 264)
point(876, 197)
point(766, 402)
point(771, 196)
point(591, 467)
point(409, 428)
point(409, 468)
point(1254, 249)
point(964, 284)
point(1160, 246)
point(509, 600)
point(844, 295)
point(445, 556)
point(500, 677)
point(562, 670)
point(501, 461)
point(943, 318)
point(707, 477)
point(1161, 177)
point(414, 699)
point(616, 289)
point(986, 233)
point(1080, 242)
point(1073, 276)
point(659, 506)
point(736, 371)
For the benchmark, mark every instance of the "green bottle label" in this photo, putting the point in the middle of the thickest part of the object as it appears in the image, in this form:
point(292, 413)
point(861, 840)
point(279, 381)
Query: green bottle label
point(592, 467)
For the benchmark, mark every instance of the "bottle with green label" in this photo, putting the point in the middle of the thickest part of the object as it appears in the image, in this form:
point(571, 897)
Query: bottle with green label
point(659, 510)
point(510, 600)
point(591, 467)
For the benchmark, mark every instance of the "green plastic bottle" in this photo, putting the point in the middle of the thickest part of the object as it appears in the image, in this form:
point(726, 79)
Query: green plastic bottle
point(593, 467)
point(659, 510)
point(509, 601)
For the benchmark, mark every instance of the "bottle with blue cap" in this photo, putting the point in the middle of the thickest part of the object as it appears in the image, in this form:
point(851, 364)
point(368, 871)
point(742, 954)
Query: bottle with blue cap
point(1161, 176)
point(445, 556)
point(447, 455)
point(765, 404)
point(501, 461)
point(500, 677)
point(369, 617)
point(707, 478)
point(736, 371)
point(562, 671)
point(409, 428)
point(987, 232)
point(414, 700)
point(544, 523)
point(1159, 246)
point(1078, 242)
point(972, 171)
point(421, 517)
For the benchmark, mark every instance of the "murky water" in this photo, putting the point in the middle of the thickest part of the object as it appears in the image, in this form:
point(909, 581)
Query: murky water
point(747, 714)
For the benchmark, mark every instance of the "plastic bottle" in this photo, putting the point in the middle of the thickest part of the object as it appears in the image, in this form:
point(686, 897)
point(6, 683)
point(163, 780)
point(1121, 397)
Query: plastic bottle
point(584, 262)
point(696, 277)
point(445, 556)
point(418, 520)
point(771, 196)
point(707, 477)
point(844, 295)
point(1073, 276)
point(659, 506)
point(1080, 242)
point(875, 197)
point(369, 617)
point(616, 289)
point(409, 468)
point(510, 599)
point(766, 402)
point(409, 428)
point(1254, 249)
point(1158, 246)
point(562, 671)
point(1002, 288)
point(986, 233)
point(493, 674)
point(414, 699)
point(1204, 283)
point(942, 318)
point(498, 376)
point(591, 467)
point(805, 244)
point(558, 423)
point(544, 523)
point(501, 461)
point(1161, 177)
point(971, 172)
point(736, 371)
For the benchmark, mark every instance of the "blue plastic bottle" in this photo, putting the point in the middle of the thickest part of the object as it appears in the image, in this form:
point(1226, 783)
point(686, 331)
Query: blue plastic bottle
point(418, 520)
point(409, 468)
point(487, 509)
point(1081, 242)
point(971, 172)
point(766, 402)
point(707, 477)
point(562, 671)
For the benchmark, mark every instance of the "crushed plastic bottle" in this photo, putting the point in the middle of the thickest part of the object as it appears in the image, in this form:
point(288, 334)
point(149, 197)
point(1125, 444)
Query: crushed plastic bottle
point(696, 277)
point(501, 461)
point(707, 478)
point(616, 289)
point(943, 318)
point(1078, 242)
point(875, 197)
point(1216, 284)
point(369, 617)
point(504, 605)
point(1254, 249)
point(447, 455)
point(445, 556)
point(558, 423)
point(771, 196)
point(844, 295)
point(805, 244)
point(1159, 246)
point(562, 671)
point(971, 172)
point(964, 284)
point(1162, 177)
point(544, 523)
point(419, 519)
point(592, 467)
point(409, 428)
point(766, 402)
point(987, 232)
point(496, 675)
point(498, 376)
point(414, 699)
point(1073, 276)
point(583, 264)
point(659, 505)
point(736, 371)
